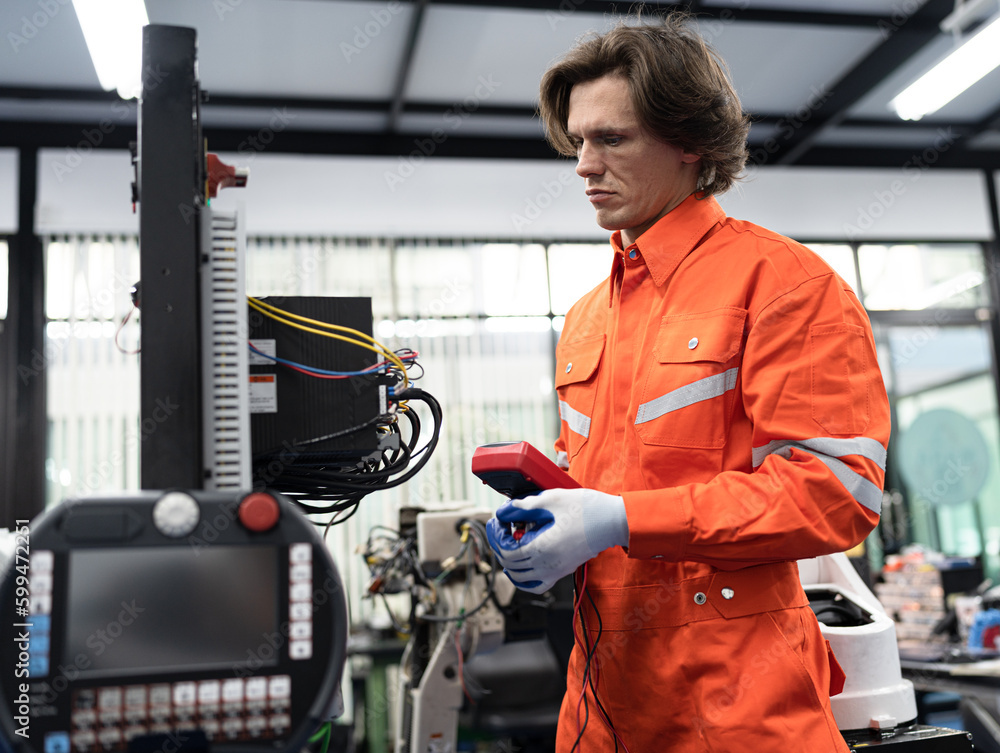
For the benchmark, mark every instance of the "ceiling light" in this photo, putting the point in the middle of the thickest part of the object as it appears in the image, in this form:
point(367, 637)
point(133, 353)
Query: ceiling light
point(113, 30)
point(979, 55)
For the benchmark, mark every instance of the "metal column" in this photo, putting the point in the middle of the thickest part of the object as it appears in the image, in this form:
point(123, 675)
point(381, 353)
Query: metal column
point(171, 179)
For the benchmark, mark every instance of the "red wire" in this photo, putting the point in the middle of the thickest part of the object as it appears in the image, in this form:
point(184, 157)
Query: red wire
point(593, 669)
point(461, 674)
point(307, 372)
point(119, 331)
point(576, 610)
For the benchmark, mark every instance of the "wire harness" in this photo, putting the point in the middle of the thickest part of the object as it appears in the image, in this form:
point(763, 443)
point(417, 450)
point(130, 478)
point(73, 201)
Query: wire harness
point(321, 485)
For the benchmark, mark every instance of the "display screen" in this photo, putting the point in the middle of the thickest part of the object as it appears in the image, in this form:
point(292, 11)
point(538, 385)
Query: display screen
point(171, 608)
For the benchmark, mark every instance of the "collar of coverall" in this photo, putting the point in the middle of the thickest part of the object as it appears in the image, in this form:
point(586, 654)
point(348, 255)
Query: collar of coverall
point(673, 237)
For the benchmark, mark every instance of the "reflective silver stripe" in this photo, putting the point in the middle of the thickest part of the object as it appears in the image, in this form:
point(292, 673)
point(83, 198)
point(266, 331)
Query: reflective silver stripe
point(689, 394)
point(864, 491)
point(837, 448)
point(574, 419)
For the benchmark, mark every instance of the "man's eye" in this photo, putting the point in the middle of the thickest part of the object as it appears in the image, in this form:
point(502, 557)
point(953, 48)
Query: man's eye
point(612, 140)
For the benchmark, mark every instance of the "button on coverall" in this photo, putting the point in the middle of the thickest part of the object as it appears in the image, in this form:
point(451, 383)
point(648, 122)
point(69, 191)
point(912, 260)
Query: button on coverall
point(724, 383)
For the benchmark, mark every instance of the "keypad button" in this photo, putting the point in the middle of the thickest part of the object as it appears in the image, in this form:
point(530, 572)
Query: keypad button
point(185, 694)
point(41, 582)
point(84, 740)
point(280, 686)
point(41, 624)
point(209, 692)
point(109, 698)
point(300, 552)
point(135, 696)
point(38, 665)
point(232, 690)
point(84, 718)
point(256, 688)
point(299, 650)
point(159, 695)
point(41, 561)
point(280, 722)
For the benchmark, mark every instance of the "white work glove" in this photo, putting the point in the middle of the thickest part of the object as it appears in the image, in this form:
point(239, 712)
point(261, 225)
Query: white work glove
point(564, 529)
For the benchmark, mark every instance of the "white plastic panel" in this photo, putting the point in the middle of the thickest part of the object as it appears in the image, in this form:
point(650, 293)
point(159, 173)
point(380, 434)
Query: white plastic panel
point(776, 71)
point(859, 204)
point(507, 49)
point(294, 48)
point(876, 7)
point(8, 190)
point(85, 191)
point(42, 45)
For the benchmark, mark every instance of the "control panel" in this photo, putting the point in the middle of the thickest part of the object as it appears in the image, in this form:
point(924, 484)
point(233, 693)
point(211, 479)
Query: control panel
point(170, 621)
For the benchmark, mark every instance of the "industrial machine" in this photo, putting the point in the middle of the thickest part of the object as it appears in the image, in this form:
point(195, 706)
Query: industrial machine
point(877, 706)
point(204, 613)
point(176, 621)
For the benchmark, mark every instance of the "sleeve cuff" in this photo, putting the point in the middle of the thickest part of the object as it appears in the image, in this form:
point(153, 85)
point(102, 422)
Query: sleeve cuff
point(657, 524)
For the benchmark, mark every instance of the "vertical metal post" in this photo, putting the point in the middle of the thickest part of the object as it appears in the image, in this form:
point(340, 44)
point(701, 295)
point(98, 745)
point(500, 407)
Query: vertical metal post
point(991, 250)
point(171, 178)
point(22, 480)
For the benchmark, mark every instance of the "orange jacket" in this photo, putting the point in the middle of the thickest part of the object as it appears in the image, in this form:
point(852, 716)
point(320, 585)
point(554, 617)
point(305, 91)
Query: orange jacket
point(724, 381)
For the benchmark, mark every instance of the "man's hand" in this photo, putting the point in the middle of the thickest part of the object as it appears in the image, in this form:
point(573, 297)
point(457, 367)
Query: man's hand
point(560, 530)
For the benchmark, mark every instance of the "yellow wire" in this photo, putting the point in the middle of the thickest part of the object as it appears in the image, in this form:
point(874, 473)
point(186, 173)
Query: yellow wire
point(273, 312)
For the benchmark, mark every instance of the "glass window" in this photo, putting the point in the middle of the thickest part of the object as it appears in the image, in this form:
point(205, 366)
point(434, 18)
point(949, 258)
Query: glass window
point(924, 276)
point(574, 270)
point(3, 279)
point(89, 279)
point(305, 266)
point(946, 439)
point(433, 280)
point(514, 280)
point(841, 258)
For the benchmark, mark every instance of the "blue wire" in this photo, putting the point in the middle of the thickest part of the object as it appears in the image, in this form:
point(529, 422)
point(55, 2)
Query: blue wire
point(311, 368)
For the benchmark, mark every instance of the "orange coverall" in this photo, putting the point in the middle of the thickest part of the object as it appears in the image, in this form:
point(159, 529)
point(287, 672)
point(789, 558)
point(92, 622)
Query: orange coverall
point(724, 382)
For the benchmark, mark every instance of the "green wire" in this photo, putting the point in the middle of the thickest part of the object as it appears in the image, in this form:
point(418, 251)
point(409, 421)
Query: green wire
point(325, 732)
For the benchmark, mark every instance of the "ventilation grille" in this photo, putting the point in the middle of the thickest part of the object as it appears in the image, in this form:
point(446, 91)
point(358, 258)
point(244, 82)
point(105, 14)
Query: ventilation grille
point(224, 342)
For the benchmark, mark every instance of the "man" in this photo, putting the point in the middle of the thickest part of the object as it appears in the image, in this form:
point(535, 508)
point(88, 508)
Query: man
point(722, 407)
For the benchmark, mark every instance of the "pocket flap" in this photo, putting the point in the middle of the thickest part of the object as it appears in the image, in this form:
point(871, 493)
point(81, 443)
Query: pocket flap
point(577, 361)
point(711, 336)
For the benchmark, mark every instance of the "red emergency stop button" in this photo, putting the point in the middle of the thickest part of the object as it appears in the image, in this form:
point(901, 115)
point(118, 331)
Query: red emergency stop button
point(259, 511)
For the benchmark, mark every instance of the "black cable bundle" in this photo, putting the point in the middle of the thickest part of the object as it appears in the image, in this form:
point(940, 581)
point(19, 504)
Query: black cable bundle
point(318, 486)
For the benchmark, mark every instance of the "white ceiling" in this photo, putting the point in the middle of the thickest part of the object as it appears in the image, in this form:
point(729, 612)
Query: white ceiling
point(402, 68)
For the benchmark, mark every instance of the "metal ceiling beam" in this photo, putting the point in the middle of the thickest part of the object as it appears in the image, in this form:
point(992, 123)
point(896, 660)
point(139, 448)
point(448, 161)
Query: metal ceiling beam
point(406, 65)
point(56, 135)
point(221, 102)
point(68, 135)
point(911, 158)
point(902, 41)
point(733, 12)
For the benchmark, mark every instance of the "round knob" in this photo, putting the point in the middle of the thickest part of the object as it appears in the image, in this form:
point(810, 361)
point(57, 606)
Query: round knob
point(176, 514)
point(259, 511)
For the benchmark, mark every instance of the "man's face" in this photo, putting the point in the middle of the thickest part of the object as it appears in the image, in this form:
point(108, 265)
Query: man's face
point(631, 178)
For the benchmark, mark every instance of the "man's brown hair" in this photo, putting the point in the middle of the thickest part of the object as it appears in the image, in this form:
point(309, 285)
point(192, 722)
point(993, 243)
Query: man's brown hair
point(678, 86)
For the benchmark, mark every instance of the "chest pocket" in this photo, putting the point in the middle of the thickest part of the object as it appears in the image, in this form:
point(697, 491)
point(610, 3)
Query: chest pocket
point(687, 398)
point(576, 369)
